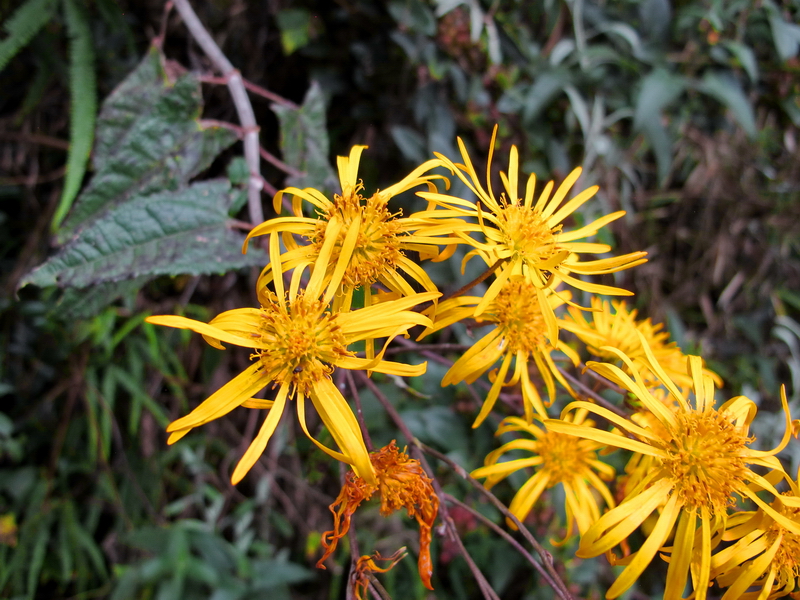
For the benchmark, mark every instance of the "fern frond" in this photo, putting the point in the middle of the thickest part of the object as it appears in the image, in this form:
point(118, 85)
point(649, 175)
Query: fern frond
point(83, 97)
point(25, 23)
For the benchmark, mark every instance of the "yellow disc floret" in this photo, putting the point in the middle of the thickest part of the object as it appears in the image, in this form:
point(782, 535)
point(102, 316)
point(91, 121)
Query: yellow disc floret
point(378, 246)
point(526, 234)
point(303, 341)
point(705, 460)
point(517, 311)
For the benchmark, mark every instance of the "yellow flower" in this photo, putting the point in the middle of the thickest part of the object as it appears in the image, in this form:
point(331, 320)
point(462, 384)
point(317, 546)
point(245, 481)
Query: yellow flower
point(620, 329)
point(298, 341)
point(520, 333)
point(766, 554)
point(527, 237)
point(401, 483)
point(701, 459)
point(557, 458)
point(382, 240)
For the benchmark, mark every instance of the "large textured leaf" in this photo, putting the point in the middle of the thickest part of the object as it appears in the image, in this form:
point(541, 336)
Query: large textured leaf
point(304, 141)
point(166, 233)
point(149, 140)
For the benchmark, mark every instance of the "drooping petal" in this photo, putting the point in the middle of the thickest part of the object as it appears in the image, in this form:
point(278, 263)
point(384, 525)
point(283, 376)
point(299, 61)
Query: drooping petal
point(224, 400)
point(256, 448)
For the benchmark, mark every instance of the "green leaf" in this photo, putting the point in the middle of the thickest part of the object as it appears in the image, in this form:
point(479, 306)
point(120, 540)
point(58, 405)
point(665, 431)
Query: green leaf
point(25, 23)
point(304, 141)
point(744, 54)
point(786, 36)
point(727, 90)
point(659, 89)
point(543, 91)
point(149, 140)
point(166, 233)
point(83, 102)
point(81, 303)
point(295, 26)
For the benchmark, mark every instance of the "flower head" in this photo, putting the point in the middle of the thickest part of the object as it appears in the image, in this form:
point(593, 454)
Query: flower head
point(702, 460)
point(765, 555)
point(373, 239)
point(522, 315)
point(620, 329)
point(297, 342)
point(401, 483)
point(557, 458)
point(528, 238)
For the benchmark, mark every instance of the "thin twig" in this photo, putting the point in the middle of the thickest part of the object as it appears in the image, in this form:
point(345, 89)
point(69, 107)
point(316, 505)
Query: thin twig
point(412, 347)
point(547, 559)
point(252, 87)
point(474, 282)
point(260, 91)
point(499, 531)
point(35, 138)
point(240, 100)
point(377, 587)
point(597, 377)
point(277, 162)
point(588, 392)
point(351, 383)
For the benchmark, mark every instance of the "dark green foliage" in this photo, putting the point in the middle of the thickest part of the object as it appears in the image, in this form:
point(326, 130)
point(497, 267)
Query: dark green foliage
point(83, 105)
point(163, 233)
point(685, 113)
point(304, 141)
point(149, 140)
point(25, 23)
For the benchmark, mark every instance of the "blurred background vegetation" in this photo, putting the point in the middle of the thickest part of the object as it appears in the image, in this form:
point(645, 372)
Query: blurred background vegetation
point(686, 113)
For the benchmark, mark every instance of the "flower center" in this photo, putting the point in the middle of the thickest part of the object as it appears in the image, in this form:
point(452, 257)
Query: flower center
point(516, 310)
point(563, 456)
point(378, 246)
point(526, 234)
point(787, 559)
point(705, 460)
point(303, 341)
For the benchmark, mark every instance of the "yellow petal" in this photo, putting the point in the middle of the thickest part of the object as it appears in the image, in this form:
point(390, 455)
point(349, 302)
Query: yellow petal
point(342, 425)
point(224, 400)
point(648, 549)
point(256, 448)
point(205, 329)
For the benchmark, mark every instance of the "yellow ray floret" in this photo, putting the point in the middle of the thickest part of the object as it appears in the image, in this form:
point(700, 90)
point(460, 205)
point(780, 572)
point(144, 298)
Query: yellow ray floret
point(382, 238)
point(298, 340)
point(702, 461)
point(556, 458)
point(619, 328)
point(527, 237)
point(523, 320)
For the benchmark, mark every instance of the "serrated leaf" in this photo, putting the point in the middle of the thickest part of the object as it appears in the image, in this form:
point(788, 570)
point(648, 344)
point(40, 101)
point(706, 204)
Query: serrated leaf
point(304, 141)
point(728, 91)
point(25, 23)
point(81, 303)
point(166, 233)
point(147, 142)
point(83, 106)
